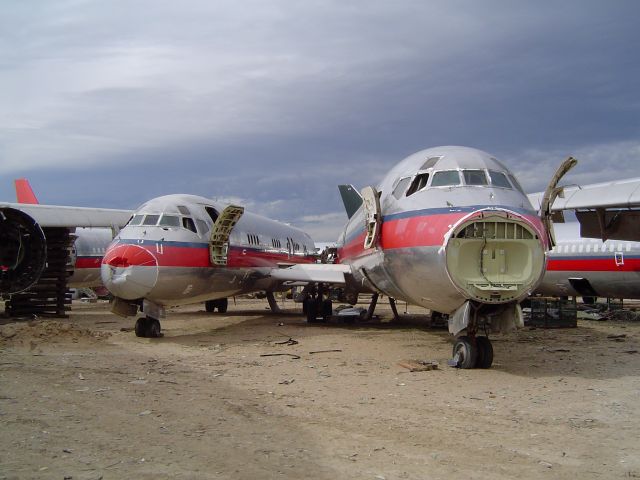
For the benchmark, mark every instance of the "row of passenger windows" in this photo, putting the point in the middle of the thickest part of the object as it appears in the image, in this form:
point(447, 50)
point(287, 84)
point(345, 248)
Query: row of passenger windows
point(453, 178)
point(292, 246)
point(591, 247)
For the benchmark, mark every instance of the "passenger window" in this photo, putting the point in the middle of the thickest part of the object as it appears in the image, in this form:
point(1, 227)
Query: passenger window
point(445, 178)
point(136, 220)
point(187, 223)
point(151, 219)
point(418, 183)
point(499, 179)
point(170, 221)
point(474, 177)
point(401, 187)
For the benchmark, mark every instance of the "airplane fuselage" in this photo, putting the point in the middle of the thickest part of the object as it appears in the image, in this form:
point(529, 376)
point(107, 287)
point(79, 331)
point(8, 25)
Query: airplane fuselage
point(454, 226)
point(589, 267)
point(164, 255)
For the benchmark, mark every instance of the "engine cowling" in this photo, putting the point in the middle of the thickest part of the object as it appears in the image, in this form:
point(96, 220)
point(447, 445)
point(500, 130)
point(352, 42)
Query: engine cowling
point(23, 251)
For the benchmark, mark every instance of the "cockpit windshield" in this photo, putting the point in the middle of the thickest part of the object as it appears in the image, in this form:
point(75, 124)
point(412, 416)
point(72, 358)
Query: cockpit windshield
point(474, 177)
point(445, 178)
point(170, 221)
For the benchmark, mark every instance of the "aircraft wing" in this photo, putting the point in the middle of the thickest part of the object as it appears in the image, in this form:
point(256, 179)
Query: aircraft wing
point(604, 210)
point(62, 216)
point(313, 272)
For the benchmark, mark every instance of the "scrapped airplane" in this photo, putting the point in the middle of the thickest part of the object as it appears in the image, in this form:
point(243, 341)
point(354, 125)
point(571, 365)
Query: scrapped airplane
point(591, 268)
point(449, 229)
point(181, 249)
point(36, 238)
point(607, 210)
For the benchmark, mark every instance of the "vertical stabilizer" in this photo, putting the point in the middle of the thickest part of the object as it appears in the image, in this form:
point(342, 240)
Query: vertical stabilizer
point(351, 198)
point(24, 193)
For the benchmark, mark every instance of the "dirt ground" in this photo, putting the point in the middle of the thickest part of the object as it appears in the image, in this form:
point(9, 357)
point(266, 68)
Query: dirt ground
point(82, 399)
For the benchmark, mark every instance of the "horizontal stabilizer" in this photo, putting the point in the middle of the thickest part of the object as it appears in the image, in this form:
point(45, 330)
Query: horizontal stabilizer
point(351, 198)
point(313, 272)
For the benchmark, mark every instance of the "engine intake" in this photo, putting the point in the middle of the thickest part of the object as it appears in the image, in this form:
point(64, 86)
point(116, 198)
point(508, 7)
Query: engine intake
point(23, 251)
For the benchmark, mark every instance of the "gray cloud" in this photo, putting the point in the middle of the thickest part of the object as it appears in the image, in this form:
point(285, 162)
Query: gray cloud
point(276, 102)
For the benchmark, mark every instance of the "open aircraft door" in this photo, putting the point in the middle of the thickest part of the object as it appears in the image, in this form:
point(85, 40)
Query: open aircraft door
point(372, 216)
point(219, 241)
point(550, 195)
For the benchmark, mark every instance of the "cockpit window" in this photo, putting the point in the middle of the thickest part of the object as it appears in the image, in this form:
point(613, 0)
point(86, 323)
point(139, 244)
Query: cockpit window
point(445, 178)
point(187, 223)
point(183, 210)
point(499, 179)
point(212, 213)
point(151, 219)
point(203, 228)
point(401, 187)
point(431, 162)
point(516, 184)
point(170, 221)
point(418, 183)
point(136, 220)
point(474, 177)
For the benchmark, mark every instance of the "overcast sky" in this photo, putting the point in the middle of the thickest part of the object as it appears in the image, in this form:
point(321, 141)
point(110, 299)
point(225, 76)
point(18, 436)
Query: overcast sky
point(274, 103)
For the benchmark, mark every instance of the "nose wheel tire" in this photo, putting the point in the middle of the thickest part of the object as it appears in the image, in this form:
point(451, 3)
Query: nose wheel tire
point(148, 328)
point(465, 352)
point(485, 352)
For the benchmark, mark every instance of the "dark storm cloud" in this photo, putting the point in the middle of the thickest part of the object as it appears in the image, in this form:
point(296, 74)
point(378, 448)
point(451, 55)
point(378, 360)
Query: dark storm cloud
point(274, 103)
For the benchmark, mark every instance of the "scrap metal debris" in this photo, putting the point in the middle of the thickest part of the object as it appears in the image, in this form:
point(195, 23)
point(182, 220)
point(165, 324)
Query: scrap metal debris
point(324, 351)
point(294, 357)
point(291, 341)
point(419, 365)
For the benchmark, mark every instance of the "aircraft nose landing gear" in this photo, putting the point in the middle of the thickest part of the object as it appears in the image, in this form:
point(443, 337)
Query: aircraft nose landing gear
point(148, 327)
point(472, 352)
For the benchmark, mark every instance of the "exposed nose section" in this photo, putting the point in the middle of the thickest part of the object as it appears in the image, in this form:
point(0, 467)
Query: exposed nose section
point(129, 271)
point(495, 256)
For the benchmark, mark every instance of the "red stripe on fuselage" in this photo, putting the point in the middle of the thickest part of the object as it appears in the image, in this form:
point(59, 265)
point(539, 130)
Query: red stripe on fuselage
point(593, 265)
point(88, 262)
point(198, 257)
point(420, 231)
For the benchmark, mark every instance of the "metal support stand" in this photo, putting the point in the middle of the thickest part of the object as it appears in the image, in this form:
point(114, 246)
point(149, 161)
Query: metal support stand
point(392, 302)
point(372, 306)
point(273, 305)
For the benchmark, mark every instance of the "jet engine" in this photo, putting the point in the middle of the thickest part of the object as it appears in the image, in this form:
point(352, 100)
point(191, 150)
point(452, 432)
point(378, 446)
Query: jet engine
point(23, 251)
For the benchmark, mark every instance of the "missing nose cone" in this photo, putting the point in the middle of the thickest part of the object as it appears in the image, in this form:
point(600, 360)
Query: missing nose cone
point(495, 257)
point(129, 271)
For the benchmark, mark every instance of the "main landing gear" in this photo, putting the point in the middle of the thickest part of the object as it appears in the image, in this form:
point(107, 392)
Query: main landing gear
point(221, 304)
point(148, 327)
point(470, 351)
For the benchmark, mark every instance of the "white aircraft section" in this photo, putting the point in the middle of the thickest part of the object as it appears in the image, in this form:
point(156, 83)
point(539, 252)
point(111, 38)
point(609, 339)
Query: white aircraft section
point(64, 216)
point(615, 194)
point(318, 272)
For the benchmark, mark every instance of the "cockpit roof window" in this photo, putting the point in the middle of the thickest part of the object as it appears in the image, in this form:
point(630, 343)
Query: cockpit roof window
point(136, 220)
point(183, 210)
point(431, 162)
point(474, 177)
point(151, 219)
point(170, 221)
point(445, 178)
point(499, 179)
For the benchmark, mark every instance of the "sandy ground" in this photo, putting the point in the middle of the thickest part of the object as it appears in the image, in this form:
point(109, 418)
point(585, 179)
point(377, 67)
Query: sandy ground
point(81, 399)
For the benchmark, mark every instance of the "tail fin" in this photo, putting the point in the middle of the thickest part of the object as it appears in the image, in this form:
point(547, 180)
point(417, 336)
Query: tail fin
point(24, 193)
point(351, 198)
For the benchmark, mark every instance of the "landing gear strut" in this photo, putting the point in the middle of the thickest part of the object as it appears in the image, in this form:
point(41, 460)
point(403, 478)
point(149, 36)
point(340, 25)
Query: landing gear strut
point(148, 327)
point(470, 351)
